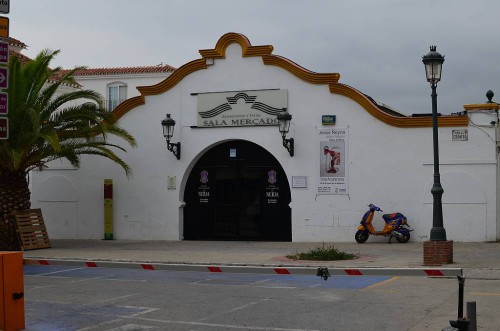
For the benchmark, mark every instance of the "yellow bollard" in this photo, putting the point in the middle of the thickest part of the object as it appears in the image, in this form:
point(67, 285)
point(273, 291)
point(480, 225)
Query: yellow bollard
point(108, 209)
point(11, 291)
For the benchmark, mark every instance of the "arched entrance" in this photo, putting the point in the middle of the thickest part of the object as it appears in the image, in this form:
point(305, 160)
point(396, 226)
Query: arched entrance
point(237, 191)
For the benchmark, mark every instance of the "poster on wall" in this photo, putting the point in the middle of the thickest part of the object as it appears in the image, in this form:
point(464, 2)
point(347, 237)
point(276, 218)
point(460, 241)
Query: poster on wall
point(272, 190)
point(333, 161)
point(204, 188)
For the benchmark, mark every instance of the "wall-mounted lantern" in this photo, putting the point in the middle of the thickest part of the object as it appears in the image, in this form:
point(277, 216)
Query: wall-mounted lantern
point(284, 119)
point(168, 131)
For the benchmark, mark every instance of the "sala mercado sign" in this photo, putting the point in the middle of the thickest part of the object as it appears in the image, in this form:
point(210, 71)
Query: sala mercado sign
point(241, 108)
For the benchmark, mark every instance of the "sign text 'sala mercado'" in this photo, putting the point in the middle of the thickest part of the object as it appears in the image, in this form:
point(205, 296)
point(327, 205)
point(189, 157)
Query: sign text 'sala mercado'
point(241, 108)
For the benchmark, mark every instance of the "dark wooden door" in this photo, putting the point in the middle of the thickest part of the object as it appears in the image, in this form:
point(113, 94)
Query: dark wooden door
point(237, 191)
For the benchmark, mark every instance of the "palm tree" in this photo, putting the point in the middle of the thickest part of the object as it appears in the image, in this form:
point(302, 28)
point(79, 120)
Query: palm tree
point(46, 124)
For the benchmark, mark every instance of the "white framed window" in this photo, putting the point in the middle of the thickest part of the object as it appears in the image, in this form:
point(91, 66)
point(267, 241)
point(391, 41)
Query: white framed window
point(117, 93)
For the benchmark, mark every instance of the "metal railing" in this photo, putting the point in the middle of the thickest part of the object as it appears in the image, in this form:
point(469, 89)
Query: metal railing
point(111, 104)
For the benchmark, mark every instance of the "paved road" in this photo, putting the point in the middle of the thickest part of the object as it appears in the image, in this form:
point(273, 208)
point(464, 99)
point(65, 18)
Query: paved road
point(68, 298)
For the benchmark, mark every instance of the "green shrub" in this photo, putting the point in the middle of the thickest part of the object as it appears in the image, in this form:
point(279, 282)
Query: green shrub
point(323, 253)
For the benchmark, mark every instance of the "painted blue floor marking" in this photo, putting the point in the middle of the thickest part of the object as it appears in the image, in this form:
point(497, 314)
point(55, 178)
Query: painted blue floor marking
point(344, 282)
point(59, 316)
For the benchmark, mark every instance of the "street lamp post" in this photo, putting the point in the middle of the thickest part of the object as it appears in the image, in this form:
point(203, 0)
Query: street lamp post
point(433, 62)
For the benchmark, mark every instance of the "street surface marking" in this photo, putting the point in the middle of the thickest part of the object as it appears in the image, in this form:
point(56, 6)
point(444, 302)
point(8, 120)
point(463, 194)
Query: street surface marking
point(57, 272)
point(145, 310)
point(200, 282)
point(113, 299)
point(244, 327)
point(245, 285)
point(83, 274)
point(384, 291)
point(89, 279)
point(278, 287)
point(247, 305)
point(131, 327)
point(384, 282)
point(50, 302)
point(37, 287)
point(253, 303)
point(126, 280)
point(486, 294)
point(263, 281)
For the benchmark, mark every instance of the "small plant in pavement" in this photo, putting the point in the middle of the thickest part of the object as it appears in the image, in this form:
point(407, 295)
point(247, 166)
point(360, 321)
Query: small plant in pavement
point(326, 252)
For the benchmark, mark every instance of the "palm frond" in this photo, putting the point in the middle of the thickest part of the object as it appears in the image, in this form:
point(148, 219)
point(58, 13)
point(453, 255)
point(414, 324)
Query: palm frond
point(47, 124)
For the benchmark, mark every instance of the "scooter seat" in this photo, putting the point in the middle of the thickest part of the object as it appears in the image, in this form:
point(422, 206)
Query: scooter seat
point(391, 217)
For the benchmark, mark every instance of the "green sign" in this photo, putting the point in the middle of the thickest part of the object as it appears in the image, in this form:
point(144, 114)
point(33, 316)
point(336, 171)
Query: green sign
point(328, 119)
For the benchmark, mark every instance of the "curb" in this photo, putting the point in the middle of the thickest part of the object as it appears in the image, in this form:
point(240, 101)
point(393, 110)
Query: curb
point(243, 268)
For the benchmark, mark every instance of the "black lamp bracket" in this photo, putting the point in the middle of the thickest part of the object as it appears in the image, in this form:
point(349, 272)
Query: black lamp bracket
point(175, 148)
point(289, 145)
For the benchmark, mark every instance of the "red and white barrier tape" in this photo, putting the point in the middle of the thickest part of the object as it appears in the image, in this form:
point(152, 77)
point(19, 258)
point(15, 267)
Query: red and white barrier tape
point(290, 270)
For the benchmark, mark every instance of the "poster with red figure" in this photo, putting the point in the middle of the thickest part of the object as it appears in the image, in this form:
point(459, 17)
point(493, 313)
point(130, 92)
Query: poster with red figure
point(333, 161)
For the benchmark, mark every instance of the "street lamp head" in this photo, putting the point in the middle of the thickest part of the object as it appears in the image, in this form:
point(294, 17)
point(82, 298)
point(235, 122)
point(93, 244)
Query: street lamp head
point(168, 124)
point(284, 119)
point(433, 62)
point(490, 95)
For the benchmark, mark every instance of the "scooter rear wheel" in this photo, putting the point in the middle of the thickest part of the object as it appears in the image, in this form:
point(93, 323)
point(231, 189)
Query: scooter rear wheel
point(361, 236)
point(406, 237)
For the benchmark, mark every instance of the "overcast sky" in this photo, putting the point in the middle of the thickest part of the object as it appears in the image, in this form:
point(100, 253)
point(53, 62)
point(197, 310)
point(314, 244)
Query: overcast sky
point(375, 45)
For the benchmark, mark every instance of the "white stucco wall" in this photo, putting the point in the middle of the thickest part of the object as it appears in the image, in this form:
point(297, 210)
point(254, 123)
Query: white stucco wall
point(99, 83)
point(388, 166)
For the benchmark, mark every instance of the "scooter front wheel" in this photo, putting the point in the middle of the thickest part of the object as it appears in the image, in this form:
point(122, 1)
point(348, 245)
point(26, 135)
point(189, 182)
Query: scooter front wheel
point(361, 236)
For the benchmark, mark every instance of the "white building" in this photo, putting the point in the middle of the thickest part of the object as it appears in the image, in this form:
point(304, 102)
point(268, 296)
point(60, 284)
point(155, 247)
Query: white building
point(114, 84)
point(236, 181)
point(118, 84)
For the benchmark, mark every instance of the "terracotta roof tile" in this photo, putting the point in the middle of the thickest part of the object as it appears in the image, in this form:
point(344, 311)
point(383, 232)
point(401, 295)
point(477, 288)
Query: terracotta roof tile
point(56, 77)
point(162, 68)
point(16, 42)
point(23, 58)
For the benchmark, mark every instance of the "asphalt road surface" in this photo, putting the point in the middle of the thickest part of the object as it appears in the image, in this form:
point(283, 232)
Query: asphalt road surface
point(68, 298)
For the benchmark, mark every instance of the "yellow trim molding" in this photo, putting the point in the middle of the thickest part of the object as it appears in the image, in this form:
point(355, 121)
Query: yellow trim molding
point(402, 122)
point(482, 106)
point(127, 105)
point(300, 72)
point(219, 52)
point(174, 78)
point(330, 79)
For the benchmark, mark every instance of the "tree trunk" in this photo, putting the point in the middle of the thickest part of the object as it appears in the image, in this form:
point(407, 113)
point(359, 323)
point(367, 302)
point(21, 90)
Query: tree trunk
point(14, 195)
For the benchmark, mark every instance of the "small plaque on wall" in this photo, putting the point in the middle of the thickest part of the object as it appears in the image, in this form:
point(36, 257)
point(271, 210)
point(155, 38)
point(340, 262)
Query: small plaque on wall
point(299, 181)
point(171, 182)
point(460, 135)
point(328, 119)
